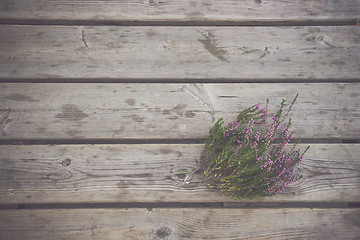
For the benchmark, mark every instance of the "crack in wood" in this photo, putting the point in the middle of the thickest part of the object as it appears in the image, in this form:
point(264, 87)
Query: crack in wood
point(212, 47)
point(83, 38)
point(157, 3)
point(4, 120)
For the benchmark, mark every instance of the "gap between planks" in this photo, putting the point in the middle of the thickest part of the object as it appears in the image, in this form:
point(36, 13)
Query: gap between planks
point(177, 80)
point(250, 23)
point(123, 141)
point(151, 205)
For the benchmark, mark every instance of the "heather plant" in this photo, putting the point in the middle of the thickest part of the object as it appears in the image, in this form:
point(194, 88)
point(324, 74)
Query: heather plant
point(241, 158)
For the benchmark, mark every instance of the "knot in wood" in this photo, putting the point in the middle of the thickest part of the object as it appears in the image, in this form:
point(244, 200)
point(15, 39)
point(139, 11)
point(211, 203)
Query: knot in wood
point(66, 162)
point(162, 233)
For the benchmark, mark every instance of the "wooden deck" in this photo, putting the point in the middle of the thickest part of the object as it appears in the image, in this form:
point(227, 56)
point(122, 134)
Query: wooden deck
point(104, 103)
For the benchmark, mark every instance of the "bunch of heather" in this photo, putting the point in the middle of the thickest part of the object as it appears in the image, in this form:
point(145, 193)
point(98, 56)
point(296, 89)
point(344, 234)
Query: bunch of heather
point(241, 158)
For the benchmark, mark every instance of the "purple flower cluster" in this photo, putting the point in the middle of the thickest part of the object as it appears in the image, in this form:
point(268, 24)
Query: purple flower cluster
point(255, 139)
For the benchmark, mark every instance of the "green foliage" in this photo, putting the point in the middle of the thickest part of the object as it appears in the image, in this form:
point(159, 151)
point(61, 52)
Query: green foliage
point(241, 159)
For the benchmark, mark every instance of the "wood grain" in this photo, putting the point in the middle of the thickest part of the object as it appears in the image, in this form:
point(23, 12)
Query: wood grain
point(153, 173)
point(168, 111)
point(171, 10)
point(181, 224)
point(160, 53)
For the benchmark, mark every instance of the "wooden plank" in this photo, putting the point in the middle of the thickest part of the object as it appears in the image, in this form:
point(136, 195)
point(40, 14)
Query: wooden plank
point(181, 224)
point(170, 111)
point(149, 53)
point(151, 173)
point(171, 10)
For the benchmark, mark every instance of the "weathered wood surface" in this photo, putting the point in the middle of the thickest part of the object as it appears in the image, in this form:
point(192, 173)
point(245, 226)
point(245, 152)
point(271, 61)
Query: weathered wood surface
point(171, 10)
point(152, 173)
point(168, 111)
point(181, 224)
point(140, 173)
point(212, 53)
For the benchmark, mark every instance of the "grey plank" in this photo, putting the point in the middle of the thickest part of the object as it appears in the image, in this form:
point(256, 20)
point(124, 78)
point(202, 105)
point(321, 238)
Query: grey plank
point(171, 10)
point(150, 173)
point(160, 53)
point(168, 111)
point(181, 224)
